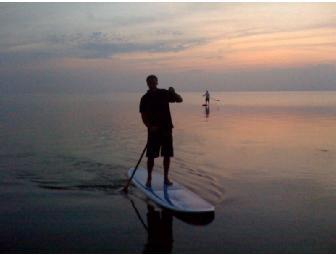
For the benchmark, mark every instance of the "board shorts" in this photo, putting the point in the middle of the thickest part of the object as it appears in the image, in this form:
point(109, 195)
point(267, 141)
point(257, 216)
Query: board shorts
point(160, 140)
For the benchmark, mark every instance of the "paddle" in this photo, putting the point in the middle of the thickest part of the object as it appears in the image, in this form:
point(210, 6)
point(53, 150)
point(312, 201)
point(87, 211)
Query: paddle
point(125, 189)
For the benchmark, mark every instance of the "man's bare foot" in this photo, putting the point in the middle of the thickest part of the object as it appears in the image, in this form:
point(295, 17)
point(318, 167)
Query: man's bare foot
point(149, 183)
point(168, 182)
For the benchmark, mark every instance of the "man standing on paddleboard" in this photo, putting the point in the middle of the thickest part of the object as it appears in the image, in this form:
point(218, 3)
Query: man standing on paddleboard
point(155, 113)
point(207, 97)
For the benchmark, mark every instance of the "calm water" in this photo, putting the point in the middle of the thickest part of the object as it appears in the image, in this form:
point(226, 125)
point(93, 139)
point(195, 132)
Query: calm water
point(266, 160)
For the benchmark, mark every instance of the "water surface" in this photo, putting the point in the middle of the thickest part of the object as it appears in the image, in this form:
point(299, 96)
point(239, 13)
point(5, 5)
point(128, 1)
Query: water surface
point(266, 160)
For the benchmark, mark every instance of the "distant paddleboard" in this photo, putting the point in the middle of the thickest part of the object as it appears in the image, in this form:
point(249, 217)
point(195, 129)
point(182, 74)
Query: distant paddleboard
point(175, 197)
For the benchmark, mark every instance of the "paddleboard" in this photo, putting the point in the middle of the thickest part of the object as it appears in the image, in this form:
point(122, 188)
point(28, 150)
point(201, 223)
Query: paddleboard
point(175, 197)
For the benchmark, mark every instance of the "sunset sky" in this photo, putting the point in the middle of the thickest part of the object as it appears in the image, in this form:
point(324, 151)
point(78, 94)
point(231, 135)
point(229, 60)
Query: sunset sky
point(97, 47)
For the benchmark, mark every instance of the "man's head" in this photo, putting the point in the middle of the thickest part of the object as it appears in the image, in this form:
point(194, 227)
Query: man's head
point(152, 81)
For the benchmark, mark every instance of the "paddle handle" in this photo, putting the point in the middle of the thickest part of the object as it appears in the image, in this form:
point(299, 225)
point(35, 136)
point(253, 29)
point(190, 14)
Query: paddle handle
point(136, 167)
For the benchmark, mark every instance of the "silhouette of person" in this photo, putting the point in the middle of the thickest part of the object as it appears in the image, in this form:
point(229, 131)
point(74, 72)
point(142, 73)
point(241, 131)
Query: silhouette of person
point(155, 113)
point(207, 97)
point(160, 231)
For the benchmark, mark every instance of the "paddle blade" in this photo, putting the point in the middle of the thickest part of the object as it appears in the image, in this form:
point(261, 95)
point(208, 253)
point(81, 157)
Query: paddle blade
point(125, 189)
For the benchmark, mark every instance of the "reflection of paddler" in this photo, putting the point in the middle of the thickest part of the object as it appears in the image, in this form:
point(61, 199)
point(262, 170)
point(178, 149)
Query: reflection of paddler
point(160, 227)
point(207, 111)
point(160, 231)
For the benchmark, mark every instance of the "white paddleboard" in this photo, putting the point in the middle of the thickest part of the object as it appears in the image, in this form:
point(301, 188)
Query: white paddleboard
point(174, 197)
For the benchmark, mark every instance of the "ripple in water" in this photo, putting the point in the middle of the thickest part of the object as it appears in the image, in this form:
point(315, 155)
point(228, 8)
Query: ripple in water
point(71, 173)
point(61, 172)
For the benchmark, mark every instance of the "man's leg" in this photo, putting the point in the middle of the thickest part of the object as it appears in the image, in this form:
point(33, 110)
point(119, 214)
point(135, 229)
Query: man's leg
point(150, 165)
point(167, 152)
point(153, 149)
point(166, 164)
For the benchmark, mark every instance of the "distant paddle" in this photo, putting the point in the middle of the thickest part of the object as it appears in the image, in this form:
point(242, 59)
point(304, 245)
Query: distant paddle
point(125, 189)
point(215, 99)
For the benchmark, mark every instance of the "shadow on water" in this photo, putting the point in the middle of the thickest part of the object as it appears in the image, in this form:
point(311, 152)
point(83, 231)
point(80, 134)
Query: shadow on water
point(197, 219)
point(159, 226)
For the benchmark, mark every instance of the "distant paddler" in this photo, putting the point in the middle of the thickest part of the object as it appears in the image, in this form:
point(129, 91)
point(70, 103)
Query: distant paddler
point(207, 98)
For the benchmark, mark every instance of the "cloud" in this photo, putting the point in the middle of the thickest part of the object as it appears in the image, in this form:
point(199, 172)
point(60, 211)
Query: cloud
point(97, 45)
point(25, 57)
point(103, 49)
point(168, 37)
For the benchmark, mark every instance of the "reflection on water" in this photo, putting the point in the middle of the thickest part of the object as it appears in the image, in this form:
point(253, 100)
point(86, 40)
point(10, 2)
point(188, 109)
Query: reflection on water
point(160, 231)
point(260, 135)
point(207, 111)
point(256, 134)
point(159, 226)
point(266, 160)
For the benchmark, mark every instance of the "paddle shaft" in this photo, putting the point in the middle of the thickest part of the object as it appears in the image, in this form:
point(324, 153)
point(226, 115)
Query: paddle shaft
point(139, 215)
point(215, 99)
point(136, 167)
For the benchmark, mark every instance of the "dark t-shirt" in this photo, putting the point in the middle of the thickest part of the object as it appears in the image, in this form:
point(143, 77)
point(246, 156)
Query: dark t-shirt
point(156, 105)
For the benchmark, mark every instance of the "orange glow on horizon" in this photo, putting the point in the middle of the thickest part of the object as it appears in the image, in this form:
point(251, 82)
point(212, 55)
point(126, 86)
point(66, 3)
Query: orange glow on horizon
point(281, 49)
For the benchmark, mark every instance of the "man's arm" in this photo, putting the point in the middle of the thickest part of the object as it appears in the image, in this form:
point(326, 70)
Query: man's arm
point(173, 96)
point(145, 119)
